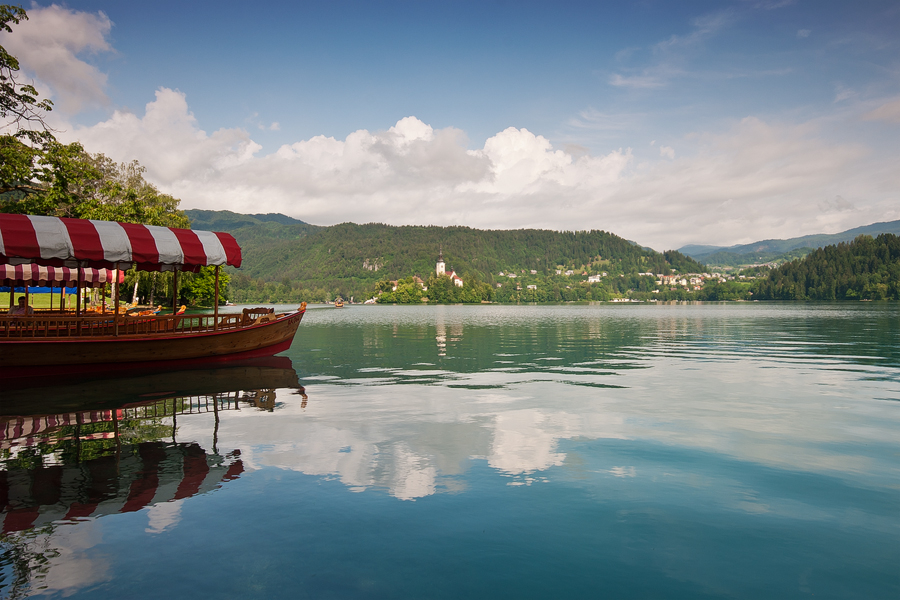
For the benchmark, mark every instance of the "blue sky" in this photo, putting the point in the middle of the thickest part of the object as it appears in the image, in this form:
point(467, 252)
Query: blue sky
point(665, 122)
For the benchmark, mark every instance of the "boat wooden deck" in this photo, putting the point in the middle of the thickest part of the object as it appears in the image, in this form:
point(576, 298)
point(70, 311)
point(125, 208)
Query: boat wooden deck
point(67, 325)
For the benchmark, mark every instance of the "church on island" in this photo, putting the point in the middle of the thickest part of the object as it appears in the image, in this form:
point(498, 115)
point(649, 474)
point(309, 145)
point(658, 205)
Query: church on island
point(441, 269)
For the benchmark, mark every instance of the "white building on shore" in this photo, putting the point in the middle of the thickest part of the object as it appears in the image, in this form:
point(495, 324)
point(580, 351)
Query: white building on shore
point(440, 269)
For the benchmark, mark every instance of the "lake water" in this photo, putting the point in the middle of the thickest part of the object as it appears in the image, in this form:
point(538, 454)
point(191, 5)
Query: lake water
point(639, 451)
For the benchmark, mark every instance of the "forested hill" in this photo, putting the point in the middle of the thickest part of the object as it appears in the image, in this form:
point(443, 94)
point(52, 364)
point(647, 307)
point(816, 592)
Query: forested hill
point(351, 258)
point(866, 268)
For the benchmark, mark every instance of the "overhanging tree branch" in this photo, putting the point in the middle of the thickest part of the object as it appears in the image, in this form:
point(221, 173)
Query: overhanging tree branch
point(20, 107)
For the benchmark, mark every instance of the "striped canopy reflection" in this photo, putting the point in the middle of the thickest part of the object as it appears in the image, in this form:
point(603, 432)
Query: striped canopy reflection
point(36, 275)
point(53, 241)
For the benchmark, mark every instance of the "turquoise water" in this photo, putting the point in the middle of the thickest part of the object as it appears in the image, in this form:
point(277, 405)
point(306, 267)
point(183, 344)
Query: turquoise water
point(714, 451)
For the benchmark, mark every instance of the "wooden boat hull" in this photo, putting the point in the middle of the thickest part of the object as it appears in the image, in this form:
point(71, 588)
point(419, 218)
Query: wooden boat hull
point(24, 356)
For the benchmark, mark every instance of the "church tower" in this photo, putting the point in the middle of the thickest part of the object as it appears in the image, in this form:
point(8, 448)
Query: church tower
point(440, 268)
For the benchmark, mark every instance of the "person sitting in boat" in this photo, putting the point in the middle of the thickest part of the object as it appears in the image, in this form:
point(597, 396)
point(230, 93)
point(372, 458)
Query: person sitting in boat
point(22, 308)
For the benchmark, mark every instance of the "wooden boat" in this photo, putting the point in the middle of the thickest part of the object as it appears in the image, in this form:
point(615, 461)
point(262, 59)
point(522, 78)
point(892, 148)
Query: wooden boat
point(29, 345)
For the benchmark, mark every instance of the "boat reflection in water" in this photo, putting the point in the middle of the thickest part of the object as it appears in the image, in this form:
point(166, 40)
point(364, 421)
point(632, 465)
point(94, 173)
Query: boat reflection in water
point(95, 448)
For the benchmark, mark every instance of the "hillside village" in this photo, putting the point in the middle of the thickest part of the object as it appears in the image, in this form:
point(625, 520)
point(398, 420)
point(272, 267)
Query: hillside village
point(563, 284)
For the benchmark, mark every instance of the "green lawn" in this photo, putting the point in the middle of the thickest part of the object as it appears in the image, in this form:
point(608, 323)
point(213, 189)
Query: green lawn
point(40, 300)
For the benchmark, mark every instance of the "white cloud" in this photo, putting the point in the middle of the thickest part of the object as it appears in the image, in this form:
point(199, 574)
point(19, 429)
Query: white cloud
point(836, 204)
point(48, 46)
point(762, 180)
point(167, 141)
point(598, 122)
point(889, 112)
point(645, 81)
point(703, 28)
point(842, 93)
point(772, 4)
point(803, 33)
point(274, 126)
point(670, 55)
point(753, 181)
point(675, 57)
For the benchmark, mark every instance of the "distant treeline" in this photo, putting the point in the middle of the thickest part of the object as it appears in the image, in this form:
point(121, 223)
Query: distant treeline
point(864, 269)
point(725, 258)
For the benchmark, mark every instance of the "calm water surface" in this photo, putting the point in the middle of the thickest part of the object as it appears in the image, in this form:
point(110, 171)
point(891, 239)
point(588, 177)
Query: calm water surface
point(716, 451)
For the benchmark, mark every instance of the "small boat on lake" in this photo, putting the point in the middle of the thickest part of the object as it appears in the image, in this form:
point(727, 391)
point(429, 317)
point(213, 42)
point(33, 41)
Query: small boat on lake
point(339, 303)
point(49, 342)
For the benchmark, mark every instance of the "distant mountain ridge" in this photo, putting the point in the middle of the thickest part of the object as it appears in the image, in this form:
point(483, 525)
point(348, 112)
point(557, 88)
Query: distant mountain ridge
point(774, 249)
point(212, 220)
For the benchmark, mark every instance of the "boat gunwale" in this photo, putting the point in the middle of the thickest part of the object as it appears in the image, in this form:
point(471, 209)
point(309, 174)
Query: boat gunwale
point(161, 335)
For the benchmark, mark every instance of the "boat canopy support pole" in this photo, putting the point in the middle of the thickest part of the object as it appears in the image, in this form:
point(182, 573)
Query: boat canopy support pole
point(216, 309)
point(175, 291)
point(78, 301)
point(115, 290)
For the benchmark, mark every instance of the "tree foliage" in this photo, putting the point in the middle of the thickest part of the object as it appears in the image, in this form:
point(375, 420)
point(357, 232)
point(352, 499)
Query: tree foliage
point(62, 180)
point(199, 289)
point(864, 269)
point(408, 291)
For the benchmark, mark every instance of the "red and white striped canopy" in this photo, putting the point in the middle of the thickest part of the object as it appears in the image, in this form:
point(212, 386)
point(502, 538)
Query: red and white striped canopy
point(53, 241)
point(36, 275)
